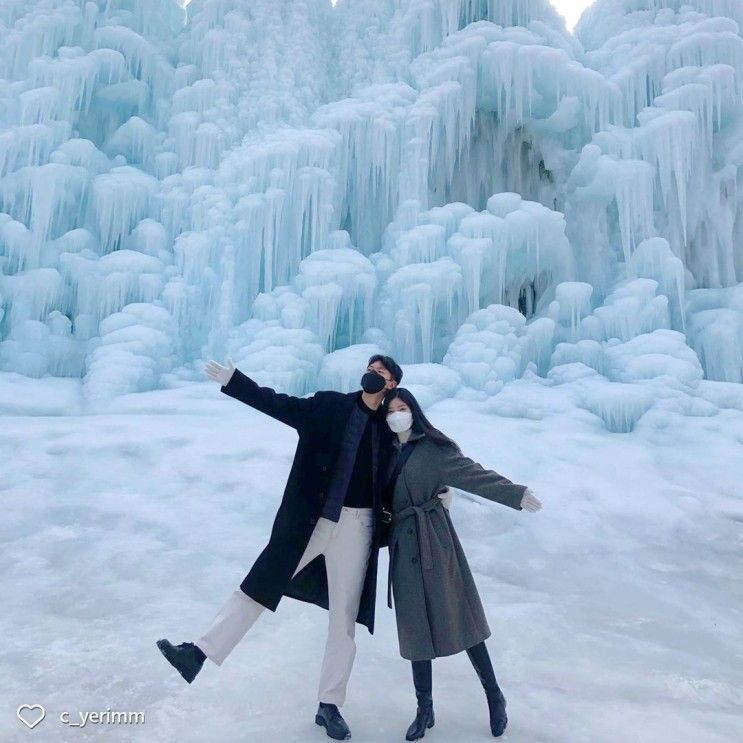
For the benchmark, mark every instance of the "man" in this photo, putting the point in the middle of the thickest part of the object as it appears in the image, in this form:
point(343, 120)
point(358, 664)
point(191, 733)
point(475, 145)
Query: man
point(326, 536)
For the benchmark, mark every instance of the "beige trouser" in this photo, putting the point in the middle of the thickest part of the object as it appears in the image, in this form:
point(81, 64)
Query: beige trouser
point(345, 546)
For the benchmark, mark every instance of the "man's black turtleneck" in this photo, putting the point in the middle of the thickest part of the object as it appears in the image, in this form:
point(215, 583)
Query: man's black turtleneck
point(360, 491)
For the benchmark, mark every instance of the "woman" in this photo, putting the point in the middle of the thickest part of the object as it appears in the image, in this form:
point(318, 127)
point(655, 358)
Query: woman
point(437, 606)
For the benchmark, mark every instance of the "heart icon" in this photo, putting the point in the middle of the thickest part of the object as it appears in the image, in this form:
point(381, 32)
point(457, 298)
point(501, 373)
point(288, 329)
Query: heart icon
point(35, 719)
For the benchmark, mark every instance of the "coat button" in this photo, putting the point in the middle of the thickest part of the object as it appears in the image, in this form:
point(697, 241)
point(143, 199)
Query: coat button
point(313, 522)
point(414, 560)
point(324, 468)
point(410, 531)
point(321, 496)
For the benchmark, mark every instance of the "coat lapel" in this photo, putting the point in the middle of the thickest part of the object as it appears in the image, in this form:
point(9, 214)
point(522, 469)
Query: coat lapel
point(339, 423)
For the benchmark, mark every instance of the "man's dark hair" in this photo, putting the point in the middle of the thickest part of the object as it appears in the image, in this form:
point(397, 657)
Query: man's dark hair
point(389, 364)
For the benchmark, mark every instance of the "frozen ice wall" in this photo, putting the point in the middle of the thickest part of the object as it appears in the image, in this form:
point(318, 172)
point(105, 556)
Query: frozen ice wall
point(460, 183)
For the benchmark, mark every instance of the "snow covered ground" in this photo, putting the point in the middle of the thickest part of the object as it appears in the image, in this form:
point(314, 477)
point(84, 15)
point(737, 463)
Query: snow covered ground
point(616, 610)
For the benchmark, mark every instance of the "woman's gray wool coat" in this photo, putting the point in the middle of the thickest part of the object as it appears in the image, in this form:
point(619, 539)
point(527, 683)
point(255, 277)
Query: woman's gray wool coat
point(437, 606)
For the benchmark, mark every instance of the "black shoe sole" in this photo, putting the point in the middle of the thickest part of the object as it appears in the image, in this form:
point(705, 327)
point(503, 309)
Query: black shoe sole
point(163, 648)
point(321, 722)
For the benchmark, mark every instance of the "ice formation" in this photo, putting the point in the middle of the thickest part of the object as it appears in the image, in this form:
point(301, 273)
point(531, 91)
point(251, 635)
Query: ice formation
point(462, 184)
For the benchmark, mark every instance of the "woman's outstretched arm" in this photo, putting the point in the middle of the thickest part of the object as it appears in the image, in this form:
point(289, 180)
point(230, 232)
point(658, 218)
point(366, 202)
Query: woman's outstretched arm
point(464, 473)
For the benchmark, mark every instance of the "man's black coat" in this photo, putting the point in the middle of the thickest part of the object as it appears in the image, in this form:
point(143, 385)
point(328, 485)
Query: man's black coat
point(320, 421)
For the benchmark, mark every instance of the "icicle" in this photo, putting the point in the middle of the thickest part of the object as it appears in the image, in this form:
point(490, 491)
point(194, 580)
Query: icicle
point(633, 190)
point(575, 303)
point(619, 406)
point(668, 142)
point(339, 284)
point(653, 259)
point(324, 302)
point(38, 196)
point(632, 309)
point(33, 294)
point(470, 254)
point(423, 244)
point(121, 198)
point(104, 286)
point(427, 295)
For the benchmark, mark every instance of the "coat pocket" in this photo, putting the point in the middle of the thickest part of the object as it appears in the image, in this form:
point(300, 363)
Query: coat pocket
point(441, 533)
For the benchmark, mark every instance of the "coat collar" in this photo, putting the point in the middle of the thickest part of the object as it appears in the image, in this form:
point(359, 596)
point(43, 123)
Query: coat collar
point(414, 436)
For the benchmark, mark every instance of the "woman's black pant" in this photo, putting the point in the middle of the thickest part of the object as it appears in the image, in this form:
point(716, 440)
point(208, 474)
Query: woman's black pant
point(480, 659)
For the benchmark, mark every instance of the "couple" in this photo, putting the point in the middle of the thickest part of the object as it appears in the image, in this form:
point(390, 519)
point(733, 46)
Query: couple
point(369, 471)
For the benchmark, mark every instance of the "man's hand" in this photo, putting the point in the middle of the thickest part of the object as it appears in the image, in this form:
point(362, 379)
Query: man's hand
point(219, 373)
point(530, 502)
point(446, 495)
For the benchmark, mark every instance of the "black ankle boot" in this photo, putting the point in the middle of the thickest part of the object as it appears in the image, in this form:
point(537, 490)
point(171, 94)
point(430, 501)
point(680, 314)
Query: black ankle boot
point(424, 717)
point(186, 658)
point(480, 659)
point(329, 717)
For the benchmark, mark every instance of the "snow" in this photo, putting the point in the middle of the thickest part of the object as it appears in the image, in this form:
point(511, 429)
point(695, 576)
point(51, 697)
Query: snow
point(613, 610)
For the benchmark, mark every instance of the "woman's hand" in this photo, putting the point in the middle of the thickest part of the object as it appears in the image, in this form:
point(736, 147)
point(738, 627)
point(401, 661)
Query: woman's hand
point(530, 502)
point(221, 374)
point(446, 495)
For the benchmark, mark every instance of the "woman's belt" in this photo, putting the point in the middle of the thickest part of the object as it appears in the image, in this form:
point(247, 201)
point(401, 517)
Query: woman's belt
point(424, 536)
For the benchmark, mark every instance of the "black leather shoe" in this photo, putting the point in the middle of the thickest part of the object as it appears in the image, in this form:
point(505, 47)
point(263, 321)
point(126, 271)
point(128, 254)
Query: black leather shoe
point(331, 719)
point(497, 707)
point(186, 658)
point(424, 719)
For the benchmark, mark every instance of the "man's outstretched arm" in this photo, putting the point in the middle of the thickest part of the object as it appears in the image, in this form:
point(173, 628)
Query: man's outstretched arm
point(293, 411)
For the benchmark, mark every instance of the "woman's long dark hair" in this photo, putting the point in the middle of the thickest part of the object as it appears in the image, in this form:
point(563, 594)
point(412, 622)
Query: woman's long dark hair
point(421, 424)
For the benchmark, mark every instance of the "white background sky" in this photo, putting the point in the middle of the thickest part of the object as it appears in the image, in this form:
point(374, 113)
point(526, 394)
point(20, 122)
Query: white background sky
point(570, 9)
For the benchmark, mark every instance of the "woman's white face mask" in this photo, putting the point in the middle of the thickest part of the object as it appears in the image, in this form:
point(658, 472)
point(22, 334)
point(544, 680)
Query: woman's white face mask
point(400, 420)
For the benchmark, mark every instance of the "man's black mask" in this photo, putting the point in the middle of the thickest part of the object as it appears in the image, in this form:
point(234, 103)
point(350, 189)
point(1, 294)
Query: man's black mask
point(372, 383)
